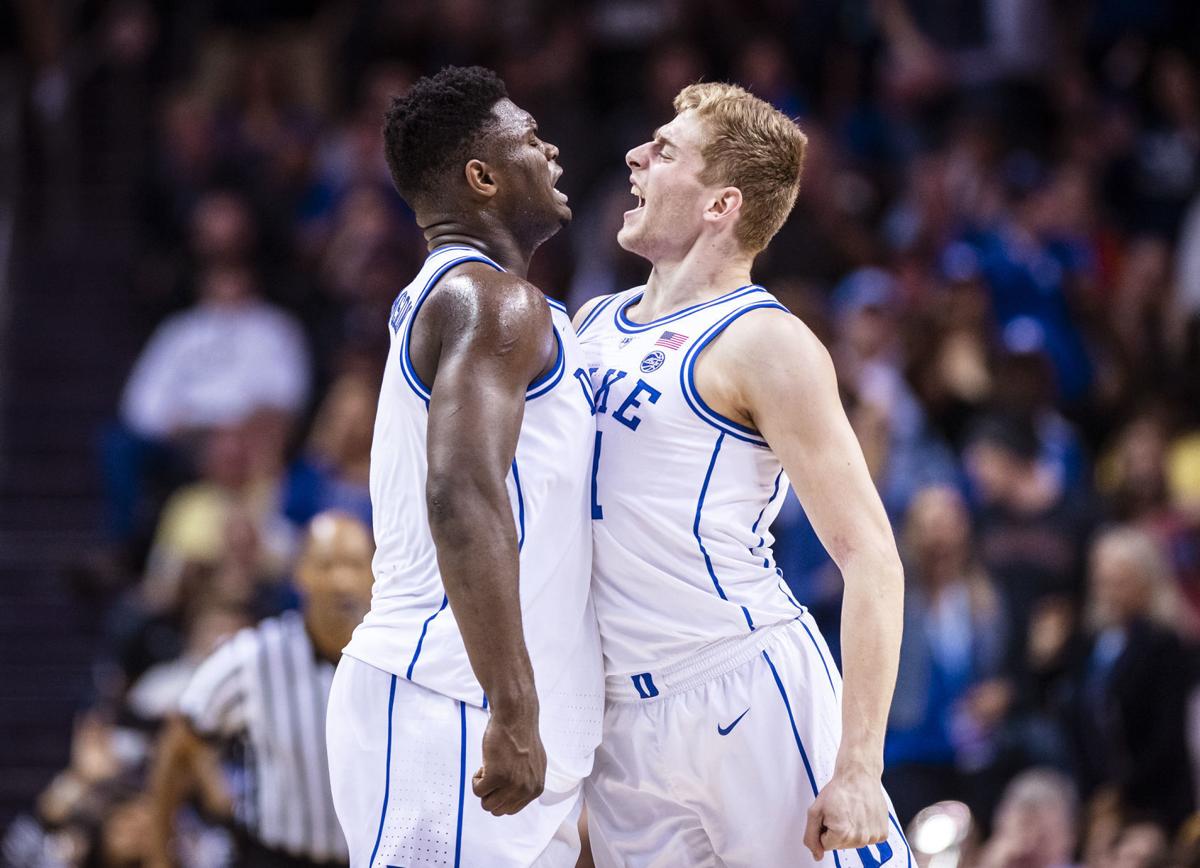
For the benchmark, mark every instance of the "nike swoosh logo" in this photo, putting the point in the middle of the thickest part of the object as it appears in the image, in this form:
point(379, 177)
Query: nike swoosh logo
point(725, 730)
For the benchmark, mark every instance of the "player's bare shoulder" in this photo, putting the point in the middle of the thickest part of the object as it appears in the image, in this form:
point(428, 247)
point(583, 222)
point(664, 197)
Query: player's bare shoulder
point(766, 343)
point(477, 311)
point(475, 295)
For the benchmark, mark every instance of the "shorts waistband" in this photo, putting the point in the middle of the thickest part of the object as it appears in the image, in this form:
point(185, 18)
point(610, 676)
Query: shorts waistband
point(709, 663)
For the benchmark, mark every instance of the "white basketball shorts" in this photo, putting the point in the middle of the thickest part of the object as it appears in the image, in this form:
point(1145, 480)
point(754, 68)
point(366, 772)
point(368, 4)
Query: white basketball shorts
point(716, 761)
point(401, 759)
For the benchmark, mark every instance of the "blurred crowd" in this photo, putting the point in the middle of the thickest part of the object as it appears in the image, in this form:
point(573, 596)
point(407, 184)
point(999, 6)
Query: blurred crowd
point(998, 237)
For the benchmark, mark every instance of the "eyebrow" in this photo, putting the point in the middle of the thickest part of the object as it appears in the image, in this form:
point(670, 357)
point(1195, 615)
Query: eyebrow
point(661, 139)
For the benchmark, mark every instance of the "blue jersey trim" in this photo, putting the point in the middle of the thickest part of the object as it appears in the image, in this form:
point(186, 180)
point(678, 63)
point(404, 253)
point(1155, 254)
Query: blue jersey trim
point(900, 832)
point(410, 373)
point(536, 389)
point(387, 773)
point(520, 507)
point(820, 654)
point(556, 304)
point(462, 784)
point(700, 540)
point(812, 780)
point(551, 378)
point(595, 312)
point(421, 639)
point(749, 620)
point(763, 511)
point(783, 589)
point(687, 377)
point(597, 509)
point(625, 324)
point(712, 462)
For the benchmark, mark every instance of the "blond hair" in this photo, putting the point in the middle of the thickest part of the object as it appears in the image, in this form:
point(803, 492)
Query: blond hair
point(751, 146)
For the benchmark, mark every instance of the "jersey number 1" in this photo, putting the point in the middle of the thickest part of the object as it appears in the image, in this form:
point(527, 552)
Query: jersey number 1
point(597, 509)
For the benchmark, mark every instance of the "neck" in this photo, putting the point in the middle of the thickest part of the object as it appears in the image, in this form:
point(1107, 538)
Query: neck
point(706, 271)
point(489, 237)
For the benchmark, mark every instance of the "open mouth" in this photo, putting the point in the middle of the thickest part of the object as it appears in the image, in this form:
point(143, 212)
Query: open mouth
point(641, 199)
point(558, 194)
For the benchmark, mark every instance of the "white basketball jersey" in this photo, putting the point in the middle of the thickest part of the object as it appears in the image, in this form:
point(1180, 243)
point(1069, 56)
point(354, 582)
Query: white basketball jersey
point(682, 497)
point(411, 631)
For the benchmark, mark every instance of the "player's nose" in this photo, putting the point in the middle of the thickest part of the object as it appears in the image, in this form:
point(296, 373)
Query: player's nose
point(551, 152)
point(635, 158)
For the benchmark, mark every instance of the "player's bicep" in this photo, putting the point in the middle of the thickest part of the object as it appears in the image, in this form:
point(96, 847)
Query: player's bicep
point(491, 349)
point(795, 404)
point(475, 414)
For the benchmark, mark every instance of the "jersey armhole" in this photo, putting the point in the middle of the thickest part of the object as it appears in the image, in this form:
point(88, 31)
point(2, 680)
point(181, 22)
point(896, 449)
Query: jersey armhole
point(687, 379)
point(595, 312)
point(550, 379)
point(410, 372)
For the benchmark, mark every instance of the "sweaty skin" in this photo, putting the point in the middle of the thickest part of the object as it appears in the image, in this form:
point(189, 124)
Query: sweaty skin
point(481, 338)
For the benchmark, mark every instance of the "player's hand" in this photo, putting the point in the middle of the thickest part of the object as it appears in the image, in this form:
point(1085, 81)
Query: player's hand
point(850, 812)
point(514, 762)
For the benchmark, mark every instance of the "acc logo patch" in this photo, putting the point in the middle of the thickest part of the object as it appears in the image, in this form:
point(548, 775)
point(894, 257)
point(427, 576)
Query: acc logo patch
point(653, 361)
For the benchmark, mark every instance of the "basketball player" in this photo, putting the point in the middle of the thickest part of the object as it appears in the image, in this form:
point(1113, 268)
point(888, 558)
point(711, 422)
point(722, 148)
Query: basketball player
point(728, 739)
point(475, 682)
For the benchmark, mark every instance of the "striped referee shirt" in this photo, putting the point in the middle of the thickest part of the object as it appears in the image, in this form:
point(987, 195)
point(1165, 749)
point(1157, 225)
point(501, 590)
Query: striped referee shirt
point(264, 691)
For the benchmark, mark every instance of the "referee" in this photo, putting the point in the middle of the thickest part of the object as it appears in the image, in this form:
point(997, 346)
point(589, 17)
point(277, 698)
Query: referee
point(261, 698)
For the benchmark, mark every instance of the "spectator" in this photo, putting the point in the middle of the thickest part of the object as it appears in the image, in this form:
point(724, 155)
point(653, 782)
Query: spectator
point(901, 450)
point(229, 517)
point(218, 363)
point(951, 697)
point(1133, 477)
point(228, 359)
point(1032, 533)
point(1126, 688)
point(1033, 261)
point(1035, 823)
point(334, 471)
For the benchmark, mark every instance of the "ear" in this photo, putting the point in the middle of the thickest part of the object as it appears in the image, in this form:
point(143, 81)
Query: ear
point(725, 205)
point(480, 179)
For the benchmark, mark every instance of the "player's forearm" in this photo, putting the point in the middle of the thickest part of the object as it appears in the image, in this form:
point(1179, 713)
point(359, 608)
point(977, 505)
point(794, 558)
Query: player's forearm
point(477, 551)
point(872, 622)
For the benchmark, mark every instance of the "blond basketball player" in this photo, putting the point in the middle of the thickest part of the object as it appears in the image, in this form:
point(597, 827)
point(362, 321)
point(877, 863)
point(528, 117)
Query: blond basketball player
point(729, 738)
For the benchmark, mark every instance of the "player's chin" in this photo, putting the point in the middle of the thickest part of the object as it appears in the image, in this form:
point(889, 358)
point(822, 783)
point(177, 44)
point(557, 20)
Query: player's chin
point(629, 240)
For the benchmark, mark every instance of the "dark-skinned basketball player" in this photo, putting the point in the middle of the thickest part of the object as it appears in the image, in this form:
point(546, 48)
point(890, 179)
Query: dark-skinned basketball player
point(466, 708)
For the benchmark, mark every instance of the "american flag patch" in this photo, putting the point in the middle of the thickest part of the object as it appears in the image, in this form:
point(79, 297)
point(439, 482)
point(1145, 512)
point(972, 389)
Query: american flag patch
point(671, 340)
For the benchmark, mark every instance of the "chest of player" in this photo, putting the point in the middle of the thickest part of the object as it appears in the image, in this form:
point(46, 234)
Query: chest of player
point(634, 382)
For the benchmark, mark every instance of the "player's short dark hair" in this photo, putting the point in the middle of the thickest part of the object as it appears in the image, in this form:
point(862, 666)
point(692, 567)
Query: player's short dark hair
point(433, 126)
